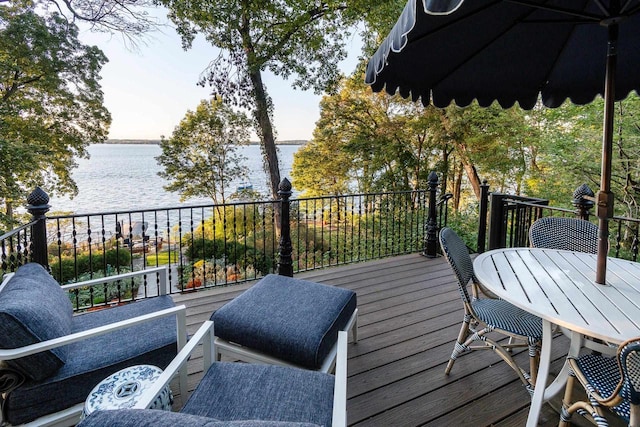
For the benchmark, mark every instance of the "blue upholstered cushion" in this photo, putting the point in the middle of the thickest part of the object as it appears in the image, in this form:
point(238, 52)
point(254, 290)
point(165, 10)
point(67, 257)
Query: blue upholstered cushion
point(33, 308)
point(242, 391)
point(603, 374)
point(506, 316)
point(291, 319)
point(155, 418)
point(90, 361)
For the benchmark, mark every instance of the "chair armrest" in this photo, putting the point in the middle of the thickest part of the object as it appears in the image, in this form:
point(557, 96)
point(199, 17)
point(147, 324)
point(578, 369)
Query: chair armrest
point(162, 270)
point(204, 335)
point(180, 311)
point(5, 279)
point(340, 387)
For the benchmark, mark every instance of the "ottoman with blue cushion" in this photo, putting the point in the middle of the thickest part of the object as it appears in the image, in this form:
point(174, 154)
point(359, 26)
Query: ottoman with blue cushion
point(282, 320)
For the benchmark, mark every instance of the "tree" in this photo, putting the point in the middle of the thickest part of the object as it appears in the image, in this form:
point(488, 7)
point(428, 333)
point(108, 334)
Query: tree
point(51, 102)
point(287, 37)
point(372, 141)
point(200, 157)
point(126, 17)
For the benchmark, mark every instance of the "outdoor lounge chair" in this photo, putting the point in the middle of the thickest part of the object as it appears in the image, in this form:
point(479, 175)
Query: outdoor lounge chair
point(241, 394)
point(570, 234)
point(485, 315)
point(51, 359)
point(610, 382)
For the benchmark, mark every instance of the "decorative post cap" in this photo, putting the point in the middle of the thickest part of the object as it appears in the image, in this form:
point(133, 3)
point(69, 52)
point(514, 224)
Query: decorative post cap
point(284, 187)
point(38, 199)
point(583, 196)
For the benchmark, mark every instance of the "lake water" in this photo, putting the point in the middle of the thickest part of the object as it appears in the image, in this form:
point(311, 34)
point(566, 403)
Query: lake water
point(125, 177)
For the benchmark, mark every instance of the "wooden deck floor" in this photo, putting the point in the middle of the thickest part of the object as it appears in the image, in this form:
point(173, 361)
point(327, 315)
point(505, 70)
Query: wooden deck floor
point(409, 316)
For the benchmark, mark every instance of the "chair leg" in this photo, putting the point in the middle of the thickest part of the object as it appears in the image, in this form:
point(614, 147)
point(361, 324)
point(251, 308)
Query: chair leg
point(354, 330)
point(634, 420)
point(534, 360)
point(589, 409)
point(565, 415)
point(459, 346)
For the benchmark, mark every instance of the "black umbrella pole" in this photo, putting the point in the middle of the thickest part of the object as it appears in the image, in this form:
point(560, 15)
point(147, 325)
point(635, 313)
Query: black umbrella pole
point(605, 196)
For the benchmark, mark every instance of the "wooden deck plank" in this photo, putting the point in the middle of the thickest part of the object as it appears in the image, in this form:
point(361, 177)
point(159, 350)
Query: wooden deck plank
point(409, 316)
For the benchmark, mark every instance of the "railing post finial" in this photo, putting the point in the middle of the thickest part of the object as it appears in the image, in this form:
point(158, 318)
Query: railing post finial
point(38, 206)
point(583, 200)
point(285, 249)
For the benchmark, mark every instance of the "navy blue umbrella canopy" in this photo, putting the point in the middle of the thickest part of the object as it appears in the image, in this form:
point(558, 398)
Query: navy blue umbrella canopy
point(517, 51)
point(507, 51)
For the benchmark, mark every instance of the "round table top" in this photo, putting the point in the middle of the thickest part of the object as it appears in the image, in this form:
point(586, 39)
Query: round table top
point(122, 389)
point(559, 286)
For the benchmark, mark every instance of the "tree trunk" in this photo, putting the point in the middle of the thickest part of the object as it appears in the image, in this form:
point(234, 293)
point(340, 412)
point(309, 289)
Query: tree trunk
point(267, 139)
point(474, 179)
point(264, 126)
point(469, 167)
point(457, 188)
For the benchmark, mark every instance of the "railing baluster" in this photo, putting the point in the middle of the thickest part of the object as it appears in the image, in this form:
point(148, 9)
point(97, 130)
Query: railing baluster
point(333, 228)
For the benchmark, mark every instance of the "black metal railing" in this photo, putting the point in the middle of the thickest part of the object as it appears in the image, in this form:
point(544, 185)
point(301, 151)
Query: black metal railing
point(15, 247)
point(217, 245)
point(510, 218)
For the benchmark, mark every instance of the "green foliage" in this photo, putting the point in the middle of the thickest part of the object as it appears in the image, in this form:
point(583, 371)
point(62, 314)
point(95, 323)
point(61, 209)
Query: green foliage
point(162, 258)
point(229, 253)
point(51, 103)
point(86, 297)
point(200, 157)
point(367, 141)
point(67, 268)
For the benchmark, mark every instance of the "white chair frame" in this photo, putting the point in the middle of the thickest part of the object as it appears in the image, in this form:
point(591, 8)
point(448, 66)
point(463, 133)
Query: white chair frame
point(71, 415)
point(205, 336)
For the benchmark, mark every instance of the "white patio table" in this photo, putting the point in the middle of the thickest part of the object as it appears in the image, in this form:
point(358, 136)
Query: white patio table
point(559, 286)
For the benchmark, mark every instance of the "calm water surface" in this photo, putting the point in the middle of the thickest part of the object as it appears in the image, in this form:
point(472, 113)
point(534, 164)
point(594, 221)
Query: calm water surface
point(125, 177)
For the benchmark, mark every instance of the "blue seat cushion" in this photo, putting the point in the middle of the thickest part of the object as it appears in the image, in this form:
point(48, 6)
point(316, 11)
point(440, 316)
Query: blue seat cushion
point(290, 319)
point(603, 374)
point(242, 391)
point(92, 360)
point(34, 308)
point(156, 418)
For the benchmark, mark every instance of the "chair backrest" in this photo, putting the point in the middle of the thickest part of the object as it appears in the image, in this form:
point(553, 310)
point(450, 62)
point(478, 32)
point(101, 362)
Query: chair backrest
point(457, 254)
point(564, 233)
point(629, 358)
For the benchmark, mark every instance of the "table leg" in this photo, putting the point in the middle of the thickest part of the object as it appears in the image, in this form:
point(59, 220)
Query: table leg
point(542, 392)
point(559, 383)
point(543, 373)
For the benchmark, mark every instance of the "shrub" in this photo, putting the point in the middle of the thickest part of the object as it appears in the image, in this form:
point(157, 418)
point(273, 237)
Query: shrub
point(233, 253)
point(67, 269)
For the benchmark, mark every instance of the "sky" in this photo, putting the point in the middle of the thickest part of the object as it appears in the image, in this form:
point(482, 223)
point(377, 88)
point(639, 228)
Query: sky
point(148, 90)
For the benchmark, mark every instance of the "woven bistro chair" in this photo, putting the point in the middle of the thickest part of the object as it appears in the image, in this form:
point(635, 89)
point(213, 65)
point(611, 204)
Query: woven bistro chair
point(571, 234)
point(485, 315)
point(610, 382)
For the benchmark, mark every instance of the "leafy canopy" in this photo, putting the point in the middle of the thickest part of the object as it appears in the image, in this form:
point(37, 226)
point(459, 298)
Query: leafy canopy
point(51, 102)
point(200, 158)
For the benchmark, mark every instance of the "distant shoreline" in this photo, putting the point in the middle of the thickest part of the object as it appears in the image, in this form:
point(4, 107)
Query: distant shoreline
point(157, 141)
